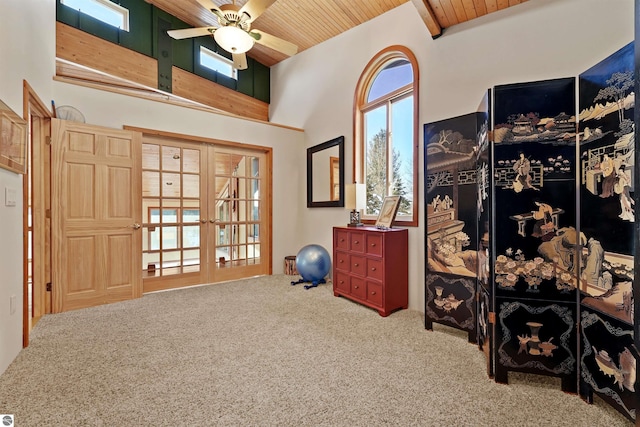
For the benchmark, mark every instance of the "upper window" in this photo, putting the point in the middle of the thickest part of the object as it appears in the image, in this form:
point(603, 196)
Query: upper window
point(103, 10)
point(385, 143)
point(217, 63)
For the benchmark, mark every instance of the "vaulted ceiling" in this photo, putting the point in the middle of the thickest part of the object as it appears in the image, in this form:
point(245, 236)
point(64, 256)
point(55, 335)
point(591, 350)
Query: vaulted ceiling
point(310, 22)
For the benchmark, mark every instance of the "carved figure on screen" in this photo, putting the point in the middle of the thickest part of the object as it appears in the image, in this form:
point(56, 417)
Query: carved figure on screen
point(544, 226)
point(435, 203)
point(621, 187)
point(593, 263)
point(447, 203)
point(522, 167)
point(608, 176)
point(561, 249)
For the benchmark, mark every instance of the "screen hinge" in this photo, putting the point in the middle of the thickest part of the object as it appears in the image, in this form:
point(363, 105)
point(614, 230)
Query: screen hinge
point(492, 317)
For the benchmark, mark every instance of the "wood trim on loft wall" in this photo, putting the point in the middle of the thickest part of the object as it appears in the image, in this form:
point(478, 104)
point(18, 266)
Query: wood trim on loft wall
point(89, 51)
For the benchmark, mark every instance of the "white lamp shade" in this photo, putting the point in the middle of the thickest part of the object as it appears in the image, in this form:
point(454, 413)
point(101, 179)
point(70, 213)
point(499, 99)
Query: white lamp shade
point(355, 196)
point(233, 39)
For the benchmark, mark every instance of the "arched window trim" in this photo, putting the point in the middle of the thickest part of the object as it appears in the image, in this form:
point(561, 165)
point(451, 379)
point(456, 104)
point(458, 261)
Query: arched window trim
point(371, 70)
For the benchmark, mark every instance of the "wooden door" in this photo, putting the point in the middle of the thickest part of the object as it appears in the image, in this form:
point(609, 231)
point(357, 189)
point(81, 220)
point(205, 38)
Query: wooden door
point(239, 216)
point(96, 215)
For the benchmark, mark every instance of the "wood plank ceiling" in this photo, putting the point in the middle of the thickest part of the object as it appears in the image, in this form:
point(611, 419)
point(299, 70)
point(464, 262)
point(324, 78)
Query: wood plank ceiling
point(310, 22)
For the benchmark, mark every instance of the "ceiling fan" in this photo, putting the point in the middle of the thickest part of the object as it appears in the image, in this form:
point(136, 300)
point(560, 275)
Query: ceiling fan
point(233, 32)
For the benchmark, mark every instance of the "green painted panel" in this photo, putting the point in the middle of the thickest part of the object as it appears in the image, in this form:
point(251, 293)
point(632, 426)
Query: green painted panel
point(138, 37)
point(261, 82)
point(245, 78)
point(182, 49)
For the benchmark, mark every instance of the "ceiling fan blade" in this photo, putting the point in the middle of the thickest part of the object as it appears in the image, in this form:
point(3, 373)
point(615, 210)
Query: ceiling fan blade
point(275, 43)
point(191, 32)
point(239, 61)
point(254, 8)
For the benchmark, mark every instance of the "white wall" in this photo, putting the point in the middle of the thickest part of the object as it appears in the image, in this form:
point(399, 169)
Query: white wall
point(25, 53)
point(536, 40)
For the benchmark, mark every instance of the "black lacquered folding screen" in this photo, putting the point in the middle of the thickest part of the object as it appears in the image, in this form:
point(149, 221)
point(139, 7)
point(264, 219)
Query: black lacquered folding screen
point(536, 219)
point(607, 221)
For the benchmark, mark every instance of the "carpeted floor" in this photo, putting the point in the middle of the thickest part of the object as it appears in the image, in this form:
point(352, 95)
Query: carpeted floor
point(261, 352)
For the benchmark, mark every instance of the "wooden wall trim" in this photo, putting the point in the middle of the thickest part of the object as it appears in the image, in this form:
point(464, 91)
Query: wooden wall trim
point(109, 60)
point(195, 138)
point(199, 89)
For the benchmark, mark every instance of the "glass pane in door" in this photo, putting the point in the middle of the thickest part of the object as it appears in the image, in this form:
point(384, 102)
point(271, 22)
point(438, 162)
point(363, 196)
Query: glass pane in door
point(237, 208)
point(171, 205)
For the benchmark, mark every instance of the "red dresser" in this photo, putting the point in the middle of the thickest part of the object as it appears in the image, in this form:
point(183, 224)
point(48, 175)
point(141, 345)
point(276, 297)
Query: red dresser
point(370, 267)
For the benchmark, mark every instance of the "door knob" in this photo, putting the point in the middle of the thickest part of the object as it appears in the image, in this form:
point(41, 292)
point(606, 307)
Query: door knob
point(203, 220)
point(213, 220)
point(136, 226)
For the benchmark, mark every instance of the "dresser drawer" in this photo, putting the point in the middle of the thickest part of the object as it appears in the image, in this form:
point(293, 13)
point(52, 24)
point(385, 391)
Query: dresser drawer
point(358, 288)
point(342, 261)
point(357, 241)
point(375, 268)
point(341, 240)
point(358, 265)
point(374, 244)
point(342, 282)
point(374, 293)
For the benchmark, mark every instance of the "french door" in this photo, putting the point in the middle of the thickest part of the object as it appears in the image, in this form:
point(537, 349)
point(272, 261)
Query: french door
point(205, 217)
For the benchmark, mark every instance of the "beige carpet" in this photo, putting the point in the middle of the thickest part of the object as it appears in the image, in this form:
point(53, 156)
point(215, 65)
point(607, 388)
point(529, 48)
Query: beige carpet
point(261, 352)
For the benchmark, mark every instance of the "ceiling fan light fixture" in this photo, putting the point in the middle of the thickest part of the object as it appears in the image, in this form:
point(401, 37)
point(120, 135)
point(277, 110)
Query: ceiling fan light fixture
point(233, 39)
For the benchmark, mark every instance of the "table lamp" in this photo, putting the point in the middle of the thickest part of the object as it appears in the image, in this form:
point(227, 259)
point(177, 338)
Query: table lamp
point(356, 200)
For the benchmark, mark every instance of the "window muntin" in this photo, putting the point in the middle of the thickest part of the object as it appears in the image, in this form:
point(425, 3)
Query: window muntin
point(217, 63)
point(103, 10)
point(386, 133)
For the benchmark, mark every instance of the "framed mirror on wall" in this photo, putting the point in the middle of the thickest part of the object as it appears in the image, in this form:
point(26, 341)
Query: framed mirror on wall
point(325, 174)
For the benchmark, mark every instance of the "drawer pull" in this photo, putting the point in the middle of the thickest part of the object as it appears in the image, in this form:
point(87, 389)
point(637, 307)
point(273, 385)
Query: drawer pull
point(342, 240)
point(356, 264)
point(373, 292)
point(341, 281)
point(373, 269)
point(356, 242)
point(341, 261)
point(373, 244)
point(356, 287)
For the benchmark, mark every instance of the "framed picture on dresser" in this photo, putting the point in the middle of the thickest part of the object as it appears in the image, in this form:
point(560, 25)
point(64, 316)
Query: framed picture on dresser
point(388, 211)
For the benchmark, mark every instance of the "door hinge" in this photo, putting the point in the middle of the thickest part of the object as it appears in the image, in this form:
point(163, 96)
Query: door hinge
point(48, 140)
point(49, 287)
point(492, 317)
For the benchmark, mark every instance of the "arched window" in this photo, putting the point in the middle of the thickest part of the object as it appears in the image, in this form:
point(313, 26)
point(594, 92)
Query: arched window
point(386, 133)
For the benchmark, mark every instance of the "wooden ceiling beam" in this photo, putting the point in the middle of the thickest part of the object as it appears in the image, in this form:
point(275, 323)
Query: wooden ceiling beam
point(429, 18)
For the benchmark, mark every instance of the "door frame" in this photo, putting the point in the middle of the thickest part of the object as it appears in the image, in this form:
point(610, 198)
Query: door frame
point(33, 107)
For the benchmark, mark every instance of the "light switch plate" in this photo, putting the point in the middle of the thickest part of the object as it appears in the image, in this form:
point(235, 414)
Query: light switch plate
point(9, 196)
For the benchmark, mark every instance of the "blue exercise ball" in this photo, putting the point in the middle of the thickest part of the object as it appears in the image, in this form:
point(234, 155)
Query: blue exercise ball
point(313, 263)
